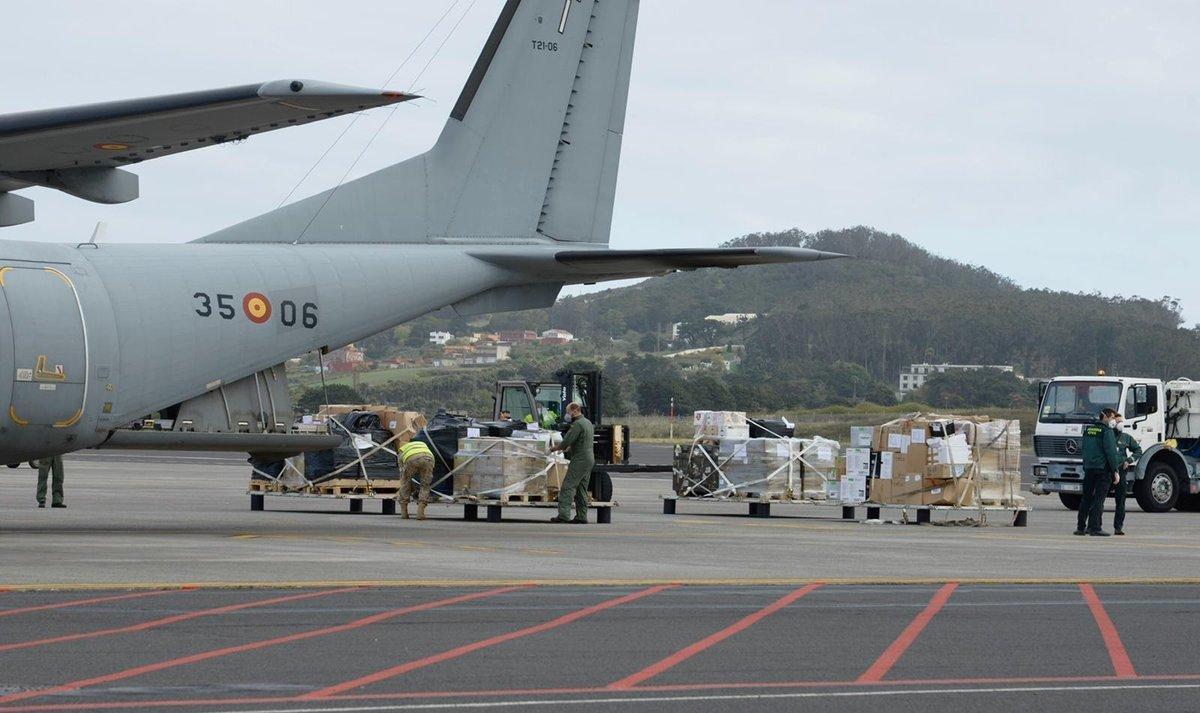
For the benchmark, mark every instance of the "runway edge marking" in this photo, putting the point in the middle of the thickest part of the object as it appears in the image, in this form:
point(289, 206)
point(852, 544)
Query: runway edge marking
point(1122, 666)
point(393, 671)
point(665, 664)
point(891, 655)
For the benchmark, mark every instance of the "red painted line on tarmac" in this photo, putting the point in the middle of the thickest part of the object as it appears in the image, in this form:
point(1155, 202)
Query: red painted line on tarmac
point(892, 654)
point(709, 641)
point(254, 645)
point(651, 688)
point(456, 652)
point(85, 602)
point(173, 619)
point(1121, 664)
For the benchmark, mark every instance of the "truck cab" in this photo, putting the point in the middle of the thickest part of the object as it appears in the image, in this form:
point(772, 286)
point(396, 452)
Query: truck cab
point(1164, 478)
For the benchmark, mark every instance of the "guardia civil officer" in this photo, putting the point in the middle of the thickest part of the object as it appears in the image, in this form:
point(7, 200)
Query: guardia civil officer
point(1101, 470)
point(1130, 453)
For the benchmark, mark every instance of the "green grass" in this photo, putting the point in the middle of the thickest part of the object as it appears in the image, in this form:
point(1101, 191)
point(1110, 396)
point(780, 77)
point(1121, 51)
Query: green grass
point(371, 378)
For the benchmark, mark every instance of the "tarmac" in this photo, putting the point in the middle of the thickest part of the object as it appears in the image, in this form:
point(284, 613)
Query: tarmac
point(158, 589)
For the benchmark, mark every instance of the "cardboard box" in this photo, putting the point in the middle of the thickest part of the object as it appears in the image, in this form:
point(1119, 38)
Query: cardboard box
point(898, 490)
point(499, 467)
point(959, 492)
point(404, 424)
point(1001, 489)
point(862, 437)
point(721, 424)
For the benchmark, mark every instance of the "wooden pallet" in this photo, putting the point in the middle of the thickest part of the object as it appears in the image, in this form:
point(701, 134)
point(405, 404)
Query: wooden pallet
point(337, 488)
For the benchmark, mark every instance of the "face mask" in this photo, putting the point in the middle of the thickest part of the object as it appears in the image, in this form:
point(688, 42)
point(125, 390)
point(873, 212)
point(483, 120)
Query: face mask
point(1118, 426)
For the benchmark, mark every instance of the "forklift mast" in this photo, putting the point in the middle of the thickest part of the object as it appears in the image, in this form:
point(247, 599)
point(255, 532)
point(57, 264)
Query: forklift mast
point(533, 398)
point(586, 388)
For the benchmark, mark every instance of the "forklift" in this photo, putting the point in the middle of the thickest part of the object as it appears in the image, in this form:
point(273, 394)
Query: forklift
point(544, 403)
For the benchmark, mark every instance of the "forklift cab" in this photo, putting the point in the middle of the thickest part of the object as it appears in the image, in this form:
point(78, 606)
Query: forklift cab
point(545, 402)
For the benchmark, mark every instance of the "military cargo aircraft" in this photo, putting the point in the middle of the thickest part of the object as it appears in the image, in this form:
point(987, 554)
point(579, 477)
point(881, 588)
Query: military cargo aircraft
point(513, 202)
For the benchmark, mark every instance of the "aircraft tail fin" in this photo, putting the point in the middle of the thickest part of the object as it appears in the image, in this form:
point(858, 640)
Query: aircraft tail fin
point(529, 154)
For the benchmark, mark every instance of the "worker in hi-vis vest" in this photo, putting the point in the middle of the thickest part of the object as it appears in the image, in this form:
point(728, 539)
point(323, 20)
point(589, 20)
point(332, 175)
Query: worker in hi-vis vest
point(417, 463)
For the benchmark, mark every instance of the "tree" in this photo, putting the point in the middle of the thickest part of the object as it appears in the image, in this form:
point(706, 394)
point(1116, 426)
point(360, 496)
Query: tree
point(384, 344)
point(695, 334)
point(312, 398)
point(986, 387)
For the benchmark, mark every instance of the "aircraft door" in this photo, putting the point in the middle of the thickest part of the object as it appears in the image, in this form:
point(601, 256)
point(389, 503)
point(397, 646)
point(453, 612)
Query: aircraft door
point(49, 343)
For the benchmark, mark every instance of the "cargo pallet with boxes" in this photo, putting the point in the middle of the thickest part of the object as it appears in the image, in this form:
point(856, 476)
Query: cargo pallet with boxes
point(926, 464)
point(490, 465)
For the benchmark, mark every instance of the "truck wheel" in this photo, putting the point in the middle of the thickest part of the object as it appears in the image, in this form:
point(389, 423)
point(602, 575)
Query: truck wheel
point(1188, 503)
point(14, 465)
point(1159, 490)
point(1070, 501)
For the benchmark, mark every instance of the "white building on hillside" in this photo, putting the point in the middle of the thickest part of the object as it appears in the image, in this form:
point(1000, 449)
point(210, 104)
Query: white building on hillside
point(440, 338)
point(562, 334)
point(731, 318)
point(915, 376)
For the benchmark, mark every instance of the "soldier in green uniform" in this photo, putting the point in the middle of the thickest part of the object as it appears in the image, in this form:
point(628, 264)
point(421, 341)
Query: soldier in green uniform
point(45, 467)
point(417, 462)
point(1130, 453)
point(577, 446)
point(1101, 469)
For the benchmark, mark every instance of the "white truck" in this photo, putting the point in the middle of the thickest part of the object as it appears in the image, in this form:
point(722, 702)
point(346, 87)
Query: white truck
point(1164, 417)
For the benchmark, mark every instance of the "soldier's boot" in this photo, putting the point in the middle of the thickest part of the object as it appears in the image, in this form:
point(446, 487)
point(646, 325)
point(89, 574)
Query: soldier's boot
point(421, 510)
point(404, 509)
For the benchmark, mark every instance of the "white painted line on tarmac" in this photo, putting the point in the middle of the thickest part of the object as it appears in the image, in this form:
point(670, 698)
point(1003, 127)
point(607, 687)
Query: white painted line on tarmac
point(625, 700)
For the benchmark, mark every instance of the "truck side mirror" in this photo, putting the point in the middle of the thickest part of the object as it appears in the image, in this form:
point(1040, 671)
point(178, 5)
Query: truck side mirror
point(1042, 387)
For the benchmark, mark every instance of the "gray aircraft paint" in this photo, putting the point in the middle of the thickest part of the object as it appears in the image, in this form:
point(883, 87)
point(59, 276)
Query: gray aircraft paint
point(82, 150)
point(533, 157)
point(525, 167)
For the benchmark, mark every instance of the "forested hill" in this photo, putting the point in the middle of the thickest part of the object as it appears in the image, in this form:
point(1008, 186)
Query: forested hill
point(896, 304)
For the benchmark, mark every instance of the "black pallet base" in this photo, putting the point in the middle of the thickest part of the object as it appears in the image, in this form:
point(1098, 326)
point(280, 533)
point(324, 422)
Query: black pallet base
point(494, 513)
point(850, 512)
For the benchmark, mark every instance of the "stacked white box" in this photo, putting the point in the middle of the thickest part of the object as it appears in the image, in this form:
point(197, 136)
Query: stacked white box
point(721, 424)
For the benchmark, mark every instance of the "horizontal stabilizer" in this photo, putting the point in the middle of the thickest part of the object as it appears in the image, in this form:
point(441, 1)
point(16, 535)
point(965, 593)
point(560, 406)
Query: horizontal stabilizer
point(600, 265)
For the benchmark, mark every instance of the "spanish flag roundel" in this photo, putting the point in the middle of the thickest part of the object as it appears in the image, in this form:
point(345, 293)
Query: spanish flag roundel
point(257, 307)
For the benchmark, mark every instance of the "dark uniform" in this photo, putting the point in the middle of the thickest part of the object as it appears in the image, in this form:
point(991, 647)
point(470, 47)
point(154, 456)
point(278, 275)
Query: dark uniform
point(1130, 453)
point(1100, 462)
point(46, 466)
point(577, 446)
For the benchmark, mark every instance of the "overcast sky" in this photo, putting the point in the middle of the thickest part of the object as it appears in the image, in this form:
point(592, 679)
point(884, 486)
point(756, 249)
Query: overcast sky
point(1055, 143)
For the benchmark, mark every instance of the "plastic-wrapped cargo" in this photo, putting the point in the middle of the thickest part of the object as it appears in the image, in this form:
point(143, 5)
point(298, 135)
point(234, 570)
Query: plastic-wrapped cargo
point(998, 451)
point(501, 468)
point(784, 468)
point(962, 461)
point(721, 424)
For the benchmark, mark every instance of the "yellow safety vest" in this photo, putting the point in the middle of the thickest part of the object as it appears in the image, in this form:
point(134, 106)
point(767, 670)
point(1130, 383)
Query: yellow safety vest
point(414, 448)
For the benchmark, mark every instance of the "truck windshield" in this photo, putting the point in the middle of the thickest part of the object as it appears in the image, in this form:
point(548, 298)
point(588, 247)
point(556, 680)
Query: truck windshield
point(1078, 401)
